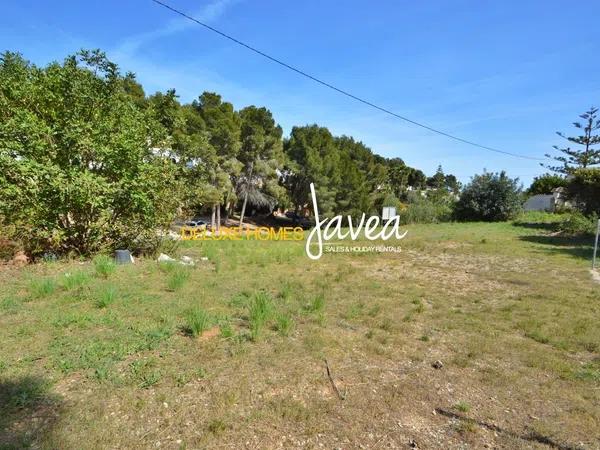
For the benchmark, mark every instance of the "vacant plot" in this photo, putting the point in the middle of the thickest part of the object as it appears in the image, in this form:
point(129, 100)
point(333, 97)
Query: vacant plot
point(474, 335)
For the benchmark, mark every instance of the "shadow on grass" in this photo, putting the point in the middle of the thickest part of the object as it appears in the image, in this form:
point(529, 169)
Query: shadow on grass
point(28, 412)
point(577, 246)
point(532, 436)
point(548, 226)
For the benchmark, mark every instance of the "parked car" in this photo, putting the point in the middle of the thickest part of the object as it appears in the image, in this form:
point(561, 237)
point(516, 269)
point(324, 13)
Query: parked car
point(196, 223)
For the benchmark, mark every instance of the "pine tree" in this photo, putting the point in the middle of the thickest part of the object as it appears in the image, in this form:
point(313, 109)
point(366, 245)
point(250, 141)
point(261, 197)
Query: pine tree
point(579, 158)
point(437, 181)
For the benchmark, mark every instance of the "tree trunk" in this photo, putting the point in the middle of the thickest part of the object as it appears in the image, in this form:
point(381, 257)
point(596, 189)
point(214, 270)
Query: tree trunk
point(243, 209)
point(246, 196)
point(218, 217)
point(212, 219)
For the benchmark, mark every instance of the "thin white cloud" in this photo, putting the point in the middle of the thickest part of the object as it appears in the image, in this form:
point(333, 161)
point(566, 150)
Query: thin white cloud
point(209, 13)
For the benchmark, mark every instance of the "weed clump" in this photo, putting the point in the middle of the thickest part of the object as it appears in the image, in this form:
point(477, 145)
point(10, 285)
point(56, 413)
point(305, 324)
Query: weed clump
point(43, 287)
point(177, 278)
point(104, 266)
point(74, 280)
point(107, 296)
point(260, 311)
point(284, 324)
point(197, 321)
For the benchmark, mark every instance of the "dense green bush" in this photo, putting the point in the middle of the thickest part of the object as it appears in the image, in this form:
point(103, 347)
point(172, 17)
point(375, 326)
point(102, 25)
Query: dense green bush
point(77, 168)
point(576, 223)
point(584, 190)
point(422, 209)
point(545, 184)
point(490, 197)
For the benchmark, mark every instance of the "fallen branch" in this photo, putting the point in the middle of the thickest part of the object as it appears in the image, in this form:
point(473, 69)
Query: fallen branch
point(339, 394)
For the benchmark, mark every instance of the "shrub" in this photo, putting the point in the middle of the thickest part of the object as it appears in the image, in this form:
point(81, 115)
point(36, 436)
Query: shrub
point(584, 189)
point(197, 321)
point(421, 209)
point(489, 197)
point(545, 184)
point(104, 265)
point(59, 194)
point(576, 223)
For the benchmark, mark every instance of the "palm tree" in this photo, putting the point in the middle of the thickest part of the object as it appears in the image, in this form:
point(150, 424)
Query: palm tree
point(248, 187)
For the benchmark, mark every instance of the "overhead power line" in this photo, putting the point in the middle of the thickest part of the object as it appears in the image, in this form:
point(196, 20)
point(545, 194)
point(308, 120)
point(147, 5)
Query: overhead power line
point(341, 91)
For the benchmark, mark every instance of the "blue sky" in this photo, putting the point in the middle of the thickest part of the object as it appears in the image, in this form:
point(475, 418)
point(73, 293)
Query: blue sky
point(506, 74)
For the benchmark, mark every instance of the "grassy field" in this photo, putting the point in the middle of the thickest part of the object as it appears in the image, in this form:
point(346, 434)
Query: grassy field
point(231, 353)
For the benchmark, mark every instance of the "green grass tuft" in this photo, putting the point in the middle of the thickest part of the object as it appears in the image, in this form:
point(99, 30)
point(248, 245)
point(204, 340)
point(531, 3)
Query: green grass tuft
point(43, 287)
point(284, 324)
point(197, 321)
point(177, 278)
point(462, 407)
point(104, 265)
point(106, 296)
point(73, 280)
point(226, 330)
point(260, 311)
point(317, 304)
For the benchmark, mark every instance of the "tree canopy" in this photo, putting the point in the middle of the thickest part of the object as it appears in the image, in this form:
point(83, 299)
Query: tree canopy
point(585, 155)
point(89, 161)
point(77, 170)
point(490, 197)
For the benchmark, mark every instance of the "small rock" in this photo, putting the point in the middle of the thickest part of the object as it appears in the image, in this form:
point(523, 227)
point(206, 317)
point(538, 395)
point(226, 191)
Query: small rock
point(437, 364)
point(412, 444)
point(20, 259)
point(187, 261)
point(164, 258)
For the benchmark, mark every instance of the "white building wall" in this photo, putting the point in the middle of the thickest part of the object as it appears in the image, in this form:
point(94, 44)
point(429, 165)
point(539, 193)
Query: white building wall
point(539, 202)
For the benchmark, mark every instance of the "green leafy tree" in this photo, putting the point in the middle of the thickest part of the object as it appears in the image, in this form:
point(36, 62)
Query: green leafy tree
point(223, 127)
point(584, 156)
point(438, 180)
point(261, 155)
point(134, 89)
point(584, 189)
point(398, 173)
point(78, 170)
point(452, 183)
point(364, 178)
point(489, 197)
point(315, 158)
point(545, 184)
point(417, 179)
